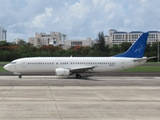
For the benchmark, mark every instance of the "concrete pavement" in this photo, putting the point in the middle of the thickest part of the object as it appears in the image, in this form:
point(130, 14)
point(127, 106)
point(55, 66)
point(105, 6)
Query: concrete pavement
point(46, 102)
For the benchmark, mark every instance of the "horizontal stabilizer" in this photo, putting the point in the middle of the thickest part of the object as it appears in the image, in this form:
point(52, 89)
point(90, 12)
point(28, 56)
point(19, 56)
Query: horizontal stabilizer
point(145, 58)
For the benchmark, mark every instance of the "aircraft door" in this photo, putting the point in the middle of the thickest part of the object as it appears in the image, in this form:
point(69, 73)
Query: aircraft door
point(23, 64)
point(122, 65)
point(15, 67)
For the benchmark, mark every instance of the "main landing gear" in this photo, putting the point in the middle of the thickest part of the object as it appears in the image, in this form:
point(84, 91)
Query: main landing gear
point(78, 76)
point(20, 76)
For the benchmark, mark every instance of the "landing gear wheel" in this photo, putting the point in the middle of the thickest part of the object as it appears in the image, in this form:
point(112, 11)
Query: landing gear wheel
point(78, 76)
point(20, 76)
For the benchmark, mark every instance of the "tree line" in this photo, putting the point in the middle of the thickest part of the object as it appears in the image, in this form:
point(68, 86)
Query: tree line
point(10, 51)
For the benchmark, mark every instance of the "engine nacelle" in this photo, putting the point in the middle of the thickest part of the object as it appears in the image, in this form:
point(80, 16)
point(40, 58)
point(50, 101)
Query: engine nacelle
point(62, 72)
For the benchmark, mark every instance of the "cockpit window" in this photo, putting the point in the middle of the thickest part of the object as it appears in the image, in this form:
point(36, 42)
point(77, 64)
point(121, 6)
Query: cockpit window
point(13, 62)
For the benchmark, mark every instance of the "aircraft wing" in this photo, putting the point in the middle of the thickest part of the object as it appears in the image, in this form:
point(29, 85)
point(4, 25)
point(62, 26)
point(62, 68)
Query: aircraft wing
point(82, 69)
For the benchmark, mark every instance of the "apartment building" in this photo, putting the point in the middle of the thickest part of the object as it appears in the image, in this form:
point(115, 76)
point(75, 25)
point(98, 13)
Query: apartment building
point(3, 34)
point(54, 38)
point(77, 42)
point(118, 37)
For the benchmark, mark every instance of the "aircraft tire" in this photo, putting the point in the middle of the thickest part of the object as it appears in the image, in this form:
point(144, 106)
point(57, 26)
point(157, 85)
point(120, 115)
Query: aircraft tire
point(20, 76)
point(78, 76)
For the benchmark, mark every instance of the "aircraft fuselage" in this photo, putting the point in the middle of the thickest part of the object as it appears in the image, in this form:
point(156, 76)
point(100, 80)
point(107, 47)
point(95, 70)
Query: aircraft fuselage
point(50, 64)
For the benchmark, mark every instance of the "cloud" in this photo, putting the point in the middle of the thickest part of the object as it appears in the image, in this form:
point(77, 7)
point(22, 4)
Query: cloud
point(39, 20)
point(143, 1)
point(56, 20)
point(77, 18)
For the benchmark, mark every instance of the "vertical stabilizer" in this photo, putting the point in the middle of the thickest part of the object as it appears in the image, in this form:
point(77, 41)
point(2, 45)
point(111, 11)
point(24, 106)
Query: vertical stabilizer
point(137, 49)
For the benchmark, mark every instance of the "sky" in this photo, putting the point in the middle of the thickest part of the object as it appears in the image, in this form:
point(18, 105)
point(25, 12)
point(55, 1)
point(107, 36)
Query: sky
point(78, 19)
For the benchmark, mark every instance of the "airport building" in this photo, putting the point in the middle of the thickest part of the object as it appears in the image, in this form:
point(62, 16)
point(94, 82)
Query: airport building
point(54, 38)
point(3, 34)
point(113, 37)
point(118, 37)
point(78, 42)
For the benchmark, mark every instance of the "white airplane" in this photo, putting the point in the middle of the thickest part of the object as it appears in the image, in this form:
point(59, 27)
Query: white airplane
point(65, 66)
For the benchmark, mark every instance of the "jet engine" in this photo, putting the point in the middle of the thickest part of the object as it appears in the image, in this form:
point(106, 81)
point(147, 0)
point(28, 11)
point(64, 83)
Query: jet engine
point(62, 72)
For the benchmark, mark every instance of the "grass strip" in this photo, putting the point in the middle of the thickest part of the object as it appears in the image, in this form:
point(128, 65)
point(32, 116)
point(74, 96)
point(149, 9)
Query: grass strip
point(143, 69)
point(4, 63)
point(2, 69)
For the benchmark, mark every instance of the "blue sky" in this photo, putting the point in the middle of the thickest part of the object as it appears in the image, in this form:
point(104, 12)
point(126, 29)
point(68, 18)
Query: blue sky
point(78, 19)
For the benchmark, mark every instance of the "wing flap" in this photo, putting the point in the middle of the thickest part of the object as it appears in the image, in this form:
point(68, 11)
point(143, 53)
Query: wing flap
point(81, 69)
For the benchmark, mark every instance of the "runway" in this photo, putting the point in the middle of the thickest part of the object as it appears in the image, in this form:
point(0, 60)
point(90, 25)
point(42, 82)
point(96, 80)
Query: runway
point(85, 81)
point(89, 98)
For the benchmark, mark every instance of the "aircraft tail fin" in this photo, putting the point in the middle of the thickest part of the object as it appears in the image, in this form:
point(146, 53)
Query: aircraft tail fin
point(137, 49)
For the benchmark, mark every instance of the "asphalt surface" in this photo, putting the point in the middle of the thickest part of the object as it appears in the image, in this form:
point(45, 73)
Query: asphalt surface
point(154, 74)
point(89, 98)
point(84, 81)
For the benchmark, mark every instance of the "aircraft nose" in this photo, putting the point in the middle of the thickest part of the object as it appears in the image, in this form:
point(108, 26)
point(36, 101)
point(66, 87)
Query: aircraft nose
point(6, 67)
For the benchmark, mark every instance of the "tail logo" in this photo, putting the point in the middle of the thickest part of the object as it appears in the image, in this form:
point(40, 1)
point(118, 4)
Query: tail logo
point(138, 50)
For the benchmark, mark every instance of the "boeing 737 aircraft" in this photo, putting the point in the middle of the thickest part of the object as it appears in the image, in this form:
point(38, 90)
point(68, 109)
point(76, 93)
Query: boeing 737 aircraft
point(65, 66)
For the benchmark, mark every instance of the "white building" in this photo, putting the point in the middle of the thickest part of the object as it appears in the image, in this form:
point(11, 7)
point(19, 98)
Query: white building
point(3, 34)
point(106, 37)
point(114, 37)
point(54, 38)
point(77, 42)
point(118, 37)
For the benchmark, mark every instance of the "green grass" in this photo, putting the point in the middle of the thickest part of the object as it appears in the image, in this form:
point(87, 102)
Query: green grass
point(143, 69)
point(152, 63)
point(4, 63)
point(2, 69)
